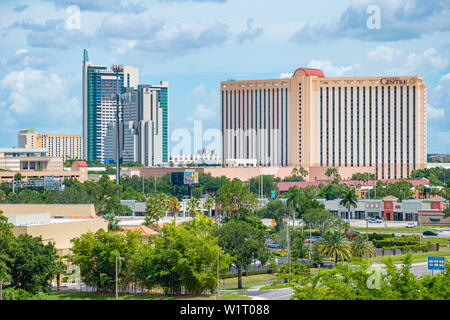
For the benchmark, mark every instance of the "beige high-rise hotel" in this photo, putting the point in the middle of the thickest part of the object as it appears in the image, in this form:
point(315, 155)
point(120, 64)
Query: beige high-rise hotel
point(58, 145)
point(355, 124)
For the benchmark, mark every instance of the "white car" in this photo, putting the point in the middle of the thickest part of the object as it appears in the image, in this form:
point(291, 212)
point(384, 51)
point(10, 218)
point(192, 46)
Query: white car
point(411, 225)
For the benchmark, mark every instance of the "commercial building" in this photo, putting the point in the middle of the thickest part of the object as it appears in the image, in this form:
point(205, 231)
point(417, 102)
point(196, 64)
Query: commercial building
point(100, 86)
point(57, 223)
point(205, 157)
point(144, 131)
point(18, 159)
point(429, 211)
point(58, 145)
point(355, 124)
point(36, 164)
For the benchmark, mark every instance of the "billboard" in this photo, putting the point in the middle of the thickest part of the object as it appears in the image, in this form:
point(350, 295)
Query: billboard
point(190, 177)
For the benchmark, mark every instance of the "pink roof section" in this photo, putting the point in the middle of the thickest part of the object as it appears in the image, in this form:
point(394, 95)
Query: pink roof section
point(81, 163)
point(311, 72)
point(284, 186)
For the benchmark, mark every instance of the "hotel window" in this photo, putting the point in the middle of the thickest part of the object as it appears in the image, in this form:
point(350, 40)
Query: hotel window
point(414, 127)
point(340, 126)
point(328, 127)
point(351, 125)
point(334, 131)
point(389, 131)
point(321, 126)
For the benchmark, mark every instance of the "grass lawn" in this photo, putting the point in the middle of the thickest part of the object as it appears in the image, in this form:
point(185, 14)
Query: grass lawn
point(110, 296)
point(417, 257)
point(248, 281)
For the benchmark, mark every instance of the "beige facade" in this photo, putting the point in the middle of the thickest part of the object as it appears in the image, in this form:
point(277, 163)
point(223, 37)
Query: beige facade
point(356, 124)
point(58, 146)
point(57, 223)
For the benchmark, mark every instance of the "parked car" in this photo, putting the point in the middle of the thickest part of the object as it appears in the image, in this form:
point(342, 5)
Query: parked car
point(273, 245)
point(430, 233)
point(411, 225)
point(375, 220)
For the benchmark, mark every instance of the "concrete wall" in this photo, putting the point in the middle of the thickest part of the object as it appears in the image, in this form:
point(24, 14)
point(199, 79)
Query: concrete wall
point(62, 233)
point(74, 210)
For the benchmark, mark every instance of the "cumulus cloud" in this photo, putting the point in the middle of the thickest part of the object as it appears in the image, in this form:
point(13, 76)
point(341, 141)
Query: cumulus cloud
point(397, 61)
point(202, 113)
point(286, 75)
point(53, 33)
point(39, 99)
point(33, 58)
point(395, 21)
point(251, 33)
point(181, 39)
point(435, 113)
point(20, 8)
point(103, 5)
point(331, 70)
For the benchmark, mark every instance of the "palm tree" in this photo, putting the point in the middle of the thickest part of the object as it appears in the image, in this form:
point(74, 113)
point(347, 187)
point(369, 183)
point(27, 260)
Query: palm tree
point(192, 206)
point(174, 206)
point(294, 172)
point(302, 172)
point(331, 172)
point(335, 244)
point(209, 204)
point(362, 249)
point(294, 196)
point(349, 200)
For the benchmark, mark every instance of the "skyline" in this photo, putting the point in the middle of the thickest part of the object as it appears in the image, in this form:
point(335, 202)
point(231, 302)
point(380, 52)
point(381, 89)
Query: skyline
point(188, 45)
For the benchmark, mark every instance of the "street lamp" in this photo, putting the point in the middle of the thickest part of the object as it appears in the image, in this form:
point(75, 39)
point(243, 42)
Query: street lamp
point(117, 292)
point(218, 293)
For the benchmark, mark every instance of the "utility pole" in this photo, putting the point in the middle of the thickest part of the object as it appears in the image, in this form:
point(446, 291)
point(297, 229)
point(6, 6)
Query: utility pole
point(288, 244)
point(117, 69)
point(218, 290)
point(117, 282)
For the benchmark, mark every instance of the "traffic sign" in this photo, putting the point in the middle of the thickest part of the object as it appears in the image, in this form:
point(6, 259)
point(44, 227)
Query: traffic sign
point(436, 263)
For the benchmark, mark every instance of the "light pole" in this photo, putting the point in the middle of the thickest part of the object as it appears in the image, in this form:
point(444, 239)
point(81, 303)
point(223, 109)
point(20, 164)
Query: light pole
point(218, 292)
point(117, 284)
point(117, 69)
point(367, 239)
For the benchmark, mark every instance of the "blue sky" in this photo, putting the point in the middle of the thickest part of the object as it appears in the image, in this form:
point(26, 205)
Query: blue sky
point(195, 44)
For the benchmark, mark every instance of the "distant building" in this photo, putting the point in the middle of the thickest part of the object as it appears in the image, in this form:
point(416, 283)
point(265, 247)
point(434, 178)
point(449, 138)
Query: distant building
point(428, 211)
point(203, 157)
point(144, 131)
point(59, 146)
point(100, 87)
point(356, 124)
point(34, 164)
point(444, 158)
point(56, 223)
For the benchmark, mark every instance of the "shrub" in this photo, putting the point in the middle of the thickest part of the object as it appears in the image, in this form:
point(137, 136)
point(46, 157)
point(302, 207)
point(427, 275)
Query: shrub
point(20, 294)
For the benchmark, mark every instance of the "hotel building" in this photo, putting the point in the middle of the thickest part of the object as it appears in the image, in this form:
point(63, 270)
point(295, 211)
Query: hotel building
point(58, 145)
point(100, 87)
point(355, 124)
point(144, 131)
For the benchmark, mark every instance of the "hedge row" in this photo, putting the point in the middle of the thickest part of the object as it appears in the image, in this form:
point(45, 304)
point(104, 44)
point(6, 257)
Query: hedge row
point(407, 248)
point(380, 236)
point(398, 241)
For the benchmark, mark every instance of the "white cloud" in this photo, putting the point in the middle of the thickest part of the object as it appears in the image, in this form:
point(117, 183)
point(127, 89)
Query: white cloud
point(329, 69)
point(390, 60)
point(286, 75)
point(435, 113)
point(40, 99)
point(202, 113)
point(199, 90)
point(384, 54)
